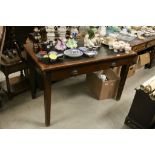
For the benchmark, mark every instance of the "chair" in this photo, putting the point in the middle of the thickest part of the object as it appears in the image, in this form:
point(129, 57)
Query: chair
point(12, 61)
point(2, 38)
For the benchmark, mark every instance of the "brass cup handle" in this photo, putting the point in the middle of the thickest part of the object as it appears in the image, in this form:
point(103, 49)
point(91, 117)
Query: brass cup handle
point(74, 72)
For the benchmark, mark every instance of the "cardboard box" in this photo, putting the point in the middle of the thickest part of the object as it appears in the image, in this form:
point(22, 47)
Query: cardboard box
point(143, 59)
point(103, 89)
point(117, 70)
point(132, 70)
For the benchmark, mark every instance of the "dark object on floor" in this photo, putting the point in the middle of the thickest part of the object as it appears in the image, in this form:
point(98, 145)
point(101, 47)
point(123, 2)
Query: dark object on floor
point(142, 112)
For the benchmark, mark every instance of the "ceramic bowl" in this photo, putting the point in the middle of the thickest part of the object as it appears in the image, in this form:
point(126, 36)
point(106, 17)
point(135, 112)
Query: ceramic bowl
point(53, 56)
point(90, 53)
point(83, 49)
point(44, 58)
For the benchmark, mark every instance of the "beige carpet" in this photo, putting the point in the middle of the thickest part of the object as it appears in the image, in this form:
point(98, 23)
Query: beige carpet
point(72, 106)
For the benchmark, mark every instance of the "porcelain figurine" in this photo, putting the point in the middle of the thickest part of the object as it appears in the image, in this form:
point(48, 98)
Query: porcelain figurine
point(102, 31)
point(37, 35)
point(88, 42)
point(60, 45)
point(50, 33)
point(62, 31)
point(50, 29)
point(71, 43)
point(74, 32)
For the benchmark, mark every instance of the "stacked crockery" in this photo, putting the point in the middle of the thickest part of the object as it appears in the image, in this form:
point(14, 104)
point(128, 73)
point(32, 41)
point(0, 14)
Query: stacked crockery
point(50, 33)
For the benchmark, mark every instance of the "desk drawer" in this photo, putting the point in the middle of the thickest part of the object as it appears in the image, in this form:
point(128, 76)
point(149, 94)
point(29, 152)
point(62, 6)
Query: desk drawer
point(139, 47)
point(88, 68)
point(151, 43)
point(76, 70)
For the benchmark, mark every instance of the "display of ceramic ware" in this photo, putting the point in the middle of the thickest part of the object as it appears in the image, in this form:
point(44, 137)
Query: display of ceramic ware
point(71, 43)
point(73, 53)
point(60, 45)
point(120, 46)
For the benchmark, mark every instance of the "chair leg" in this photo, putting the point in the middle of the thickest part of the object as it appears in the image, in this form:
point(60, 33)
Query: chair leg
point(8, 86)
point(26, 72)
point(0, 98)
point(21, 73)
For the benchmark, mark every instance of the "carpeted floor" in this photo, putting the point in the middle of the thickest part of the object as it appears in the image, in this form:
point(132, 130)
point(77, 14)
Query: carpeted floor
point(72, 106)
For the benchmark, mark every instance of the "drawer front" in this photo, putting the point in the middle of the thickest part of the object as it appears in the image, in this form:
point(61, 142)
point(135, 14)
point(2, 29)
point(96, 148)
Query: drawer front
point(151, 43)
point(73, 71)
point(139, 47)
point(88, 68)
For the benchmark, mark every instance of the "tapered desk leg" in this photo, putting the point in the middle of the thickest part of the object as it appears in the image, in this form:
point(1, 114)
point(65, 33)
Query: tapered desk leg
point(47, 96)
point(123, 76)
point(152, 57)
point(32, 82)
point(32, 77)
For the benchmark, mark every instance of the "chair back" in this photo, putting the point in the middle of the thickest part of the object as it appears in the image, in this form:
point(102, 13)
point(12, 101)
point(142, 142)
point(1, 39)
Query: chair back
point(2, 39)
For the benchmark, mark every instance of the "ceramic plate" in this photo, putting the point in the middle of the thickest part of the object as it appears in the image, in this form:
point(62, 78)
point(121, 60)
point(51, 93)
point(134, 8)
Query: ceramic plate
point(125, 37)
point(73, 53)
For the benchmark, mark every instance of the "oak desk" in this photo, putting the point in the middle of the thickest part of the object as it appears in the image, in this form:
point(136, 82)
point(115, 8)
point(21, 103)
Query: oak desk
point(71, 67)
point(139, 45)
